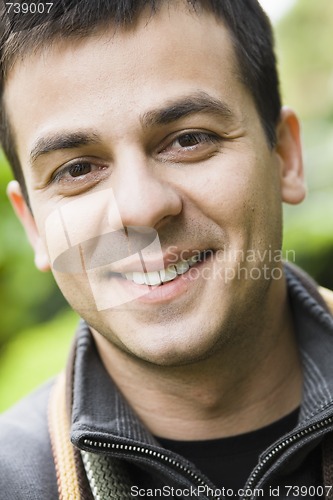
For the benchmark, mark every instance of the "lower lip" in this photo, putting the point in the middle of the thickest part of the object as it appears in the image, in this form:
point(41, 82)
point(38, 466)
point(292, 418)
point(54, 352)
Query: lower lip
point(169, 290)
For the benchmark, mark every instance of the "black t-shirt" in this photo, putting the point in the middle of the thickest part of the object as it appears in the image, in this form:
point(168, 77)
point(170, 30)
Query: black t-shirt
point(228, 462)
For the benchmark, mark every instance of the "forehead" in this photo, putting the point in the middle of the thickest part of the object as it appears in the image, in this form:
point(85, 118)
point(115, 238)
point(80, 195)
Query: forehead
point(122, 73)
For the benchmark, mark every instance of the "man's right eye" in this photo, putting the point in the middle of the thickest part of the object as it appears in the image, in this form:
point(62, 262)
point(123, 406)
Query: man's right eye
point(79, 176)
point(80, 169)
point(77, 171)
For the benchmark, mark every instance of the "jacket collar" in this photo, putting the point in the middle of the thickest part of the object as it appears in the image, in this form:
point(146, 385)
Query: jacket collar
point(97, 404)
point(314, 330)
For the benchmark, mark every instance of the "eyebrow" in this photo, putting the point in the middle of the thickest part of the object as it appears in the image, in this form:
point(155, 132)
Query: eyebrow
point(58, 141)
point(199, 102)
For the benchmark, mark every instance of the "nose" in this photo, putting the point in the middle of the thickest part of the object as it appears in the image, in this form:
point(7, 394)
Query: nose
point(143, 196)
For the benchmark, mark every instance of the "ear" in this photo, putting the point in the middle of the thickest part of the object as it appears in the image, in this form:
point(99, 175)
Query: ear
point(26, 218)
point(289, 151)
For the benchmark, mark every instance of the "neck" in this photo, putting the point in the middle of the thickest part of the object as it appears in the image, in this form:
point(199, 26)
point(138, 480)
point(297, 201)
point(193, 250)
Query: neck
point(236, 390)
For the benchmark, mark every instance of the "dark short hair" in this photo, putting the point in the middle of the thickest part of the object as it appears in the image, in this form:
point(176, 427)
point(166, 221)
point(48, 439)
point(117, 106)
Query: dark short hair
point(248, 26)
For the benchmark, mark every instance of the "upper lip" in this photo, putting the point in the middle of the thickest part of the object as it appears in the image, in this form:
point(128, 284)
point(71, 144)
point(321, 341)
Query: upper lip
point(156, 264)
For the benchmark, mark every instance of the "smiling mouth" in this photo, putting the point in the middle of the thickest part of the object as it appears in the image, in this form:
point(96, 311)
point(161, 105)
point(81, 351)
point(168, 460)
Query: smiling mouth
point(170, 273)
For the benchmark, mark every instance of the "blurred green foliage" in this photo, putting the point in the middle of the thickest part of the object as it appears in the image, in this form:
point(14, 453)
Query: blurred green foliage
point(27, 296)
point(306, 67)
point(29, 353)
point(35, 355)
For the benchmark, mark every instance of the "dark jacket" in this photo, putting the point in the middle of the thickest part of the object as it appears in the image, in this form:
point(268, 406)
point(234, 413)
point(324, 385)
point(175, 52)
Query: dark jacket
point(102, 422)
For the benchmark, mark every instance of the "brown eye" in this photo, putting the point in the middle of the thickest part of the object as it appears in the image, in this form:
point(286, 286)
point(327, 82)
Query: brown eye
point(79, 169)
point(188, 140)
point(191, 146)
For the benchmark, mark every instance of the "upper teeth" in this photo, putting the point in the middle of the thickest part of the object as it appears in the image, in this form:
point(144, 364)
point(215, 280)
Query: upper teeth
point(164, 275)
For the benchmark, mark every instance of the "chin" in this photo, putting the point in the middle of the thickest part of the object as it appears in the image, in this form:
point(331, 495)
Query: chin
point(173, 352)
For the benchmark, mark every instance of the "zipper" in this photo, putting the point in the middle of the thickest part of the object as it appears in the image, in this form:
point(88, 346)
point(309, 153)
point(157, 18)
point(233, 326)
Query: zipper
point(275, 452)
point(258, 471)
point(141, 450)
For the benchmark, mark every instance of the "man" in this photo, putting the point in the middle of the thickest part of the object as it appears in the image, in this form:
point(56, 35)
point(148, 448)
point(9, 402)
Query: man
point(152, 155)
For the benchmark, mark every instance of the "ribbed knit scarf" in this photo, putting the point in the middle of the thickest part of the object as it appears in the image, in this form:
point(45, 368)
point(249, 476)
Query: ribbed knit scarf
point(107, 478)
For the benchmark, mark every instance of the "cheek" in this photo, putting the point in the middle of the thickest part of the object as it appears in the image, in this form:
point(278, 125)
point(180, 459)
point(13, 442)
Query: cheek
point(77, 291)
point(229, 196)
point(243, 197)
point(74, 221)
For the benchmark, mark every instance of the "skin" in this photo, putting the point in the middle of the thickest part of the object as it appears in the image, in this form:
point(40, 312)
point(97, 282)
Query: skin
point(218, 351)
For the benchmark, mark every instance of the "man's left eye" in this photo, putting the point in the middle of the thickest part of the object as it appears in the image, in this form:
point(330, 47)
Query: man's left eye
point(190, 147)
point(194, 138)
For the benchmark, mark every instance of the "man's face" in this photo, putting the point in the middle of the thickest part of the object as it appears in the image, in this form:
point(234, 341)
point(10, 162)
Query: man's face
point(151, 128)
